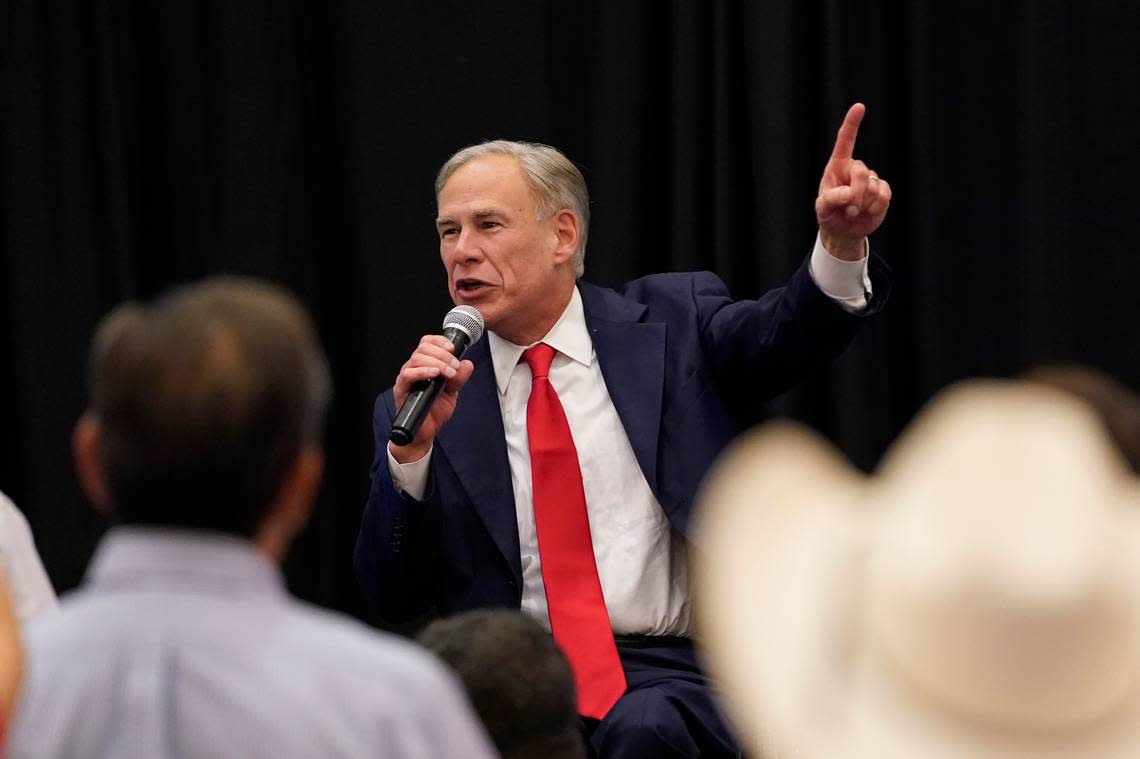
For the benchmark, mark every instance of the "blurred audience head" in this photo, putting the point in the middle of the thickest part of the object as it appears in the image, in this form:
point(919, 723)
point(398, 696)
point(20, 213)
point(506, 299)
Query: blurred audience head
point(205, 411)
point(979, 595)
point(517, 679)
point(1118, 406)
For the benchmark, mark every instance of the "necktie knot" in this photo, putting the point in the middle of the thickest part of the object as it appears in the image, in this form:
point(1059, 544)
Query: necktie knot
point(538, 358)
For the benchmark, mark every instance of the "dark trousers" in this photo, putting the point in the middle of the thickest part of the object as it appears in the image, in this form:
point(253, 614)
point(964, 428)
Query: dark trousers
point(668, 709)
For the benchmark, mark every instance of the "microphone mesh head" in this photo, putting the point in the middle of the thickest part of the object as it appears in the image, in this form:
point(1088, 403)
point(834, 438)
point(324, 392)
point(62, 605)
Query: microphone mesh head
point(466, 318)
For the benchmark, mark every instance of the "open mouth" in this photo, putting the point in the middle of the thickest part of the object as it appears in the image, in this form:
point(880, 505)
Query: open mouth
point(470, 287)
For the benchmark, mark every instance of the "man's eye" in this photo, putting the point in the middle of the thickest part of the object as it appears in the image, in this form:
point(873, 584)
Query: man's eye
point(491, 224)
point(447, 232)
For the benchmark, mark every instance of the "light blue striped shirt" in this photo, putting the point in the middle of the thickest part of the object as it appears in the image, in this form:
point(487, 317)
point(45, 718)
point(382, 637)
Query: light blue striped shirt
point(186, 644)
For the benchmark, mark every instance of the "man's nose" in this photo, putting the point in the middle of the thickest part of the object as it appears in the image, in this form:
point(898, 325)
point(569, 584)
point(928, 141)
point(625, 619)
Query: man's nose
point(467, 247)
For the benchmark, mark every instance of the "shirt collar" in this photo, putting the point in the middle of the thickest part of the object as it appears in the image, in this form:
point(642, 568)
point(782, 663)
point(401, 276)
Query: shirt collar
point(568, 336)
point(163, 557)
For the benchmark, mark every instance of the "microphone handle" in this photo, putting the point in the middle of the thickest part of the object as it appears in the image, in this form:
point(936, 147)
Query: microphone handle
point(423, 394)
point(415, 410)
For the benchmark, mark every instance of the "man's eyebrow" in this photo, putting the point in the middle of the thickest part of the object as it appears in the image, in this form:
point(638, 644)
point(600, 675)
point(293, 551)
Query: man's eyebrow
point(482, 213)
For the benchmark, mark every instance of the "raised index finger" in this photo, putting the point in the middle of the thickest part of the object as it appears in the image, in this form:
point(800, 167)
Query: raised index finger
point(848, 131)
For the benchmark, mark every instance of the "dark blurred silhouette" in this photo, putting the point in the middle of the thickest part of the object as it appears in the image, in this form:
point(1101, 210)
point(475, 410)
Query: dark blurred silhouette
point(517, 679)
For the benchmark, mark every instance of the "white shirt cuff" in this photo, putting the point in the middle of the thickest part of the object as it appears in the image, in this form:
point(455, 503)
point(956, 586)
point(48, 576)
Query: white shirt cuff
point(411, 478)
point(848, 283)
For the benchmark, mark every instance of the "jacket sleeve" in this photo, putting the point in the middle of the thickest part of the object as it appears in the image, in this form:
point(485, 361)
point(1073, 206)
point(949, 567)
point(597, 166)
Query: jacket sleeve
point(765, 346)
point(396, 557)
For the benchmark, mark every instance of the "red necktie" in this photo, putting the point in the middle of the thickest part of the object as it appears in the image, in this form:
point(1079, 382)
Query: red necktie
point(578, 616)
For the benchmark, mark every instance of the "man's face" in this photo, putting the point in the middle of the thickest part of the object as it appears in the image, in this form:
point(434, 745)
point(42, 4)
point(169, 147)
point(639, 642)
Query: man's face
point(500, 258)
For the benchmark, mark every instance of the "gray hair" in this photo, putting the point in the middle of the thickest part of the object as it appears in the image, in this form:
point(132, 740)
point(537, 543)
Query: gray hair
point(555, 181)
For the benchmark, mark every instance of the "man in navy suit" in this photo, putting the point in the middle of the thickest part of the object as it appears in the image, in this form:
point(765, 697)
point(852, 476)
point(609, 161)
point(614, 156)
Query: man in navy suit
point(648, 377)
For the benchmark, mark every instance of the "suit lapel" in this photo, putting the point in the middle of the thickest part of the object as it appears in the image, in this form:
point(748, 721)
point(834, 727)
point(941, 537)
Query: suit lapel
point(631, 355)
point(474, 443)
point(632, 358)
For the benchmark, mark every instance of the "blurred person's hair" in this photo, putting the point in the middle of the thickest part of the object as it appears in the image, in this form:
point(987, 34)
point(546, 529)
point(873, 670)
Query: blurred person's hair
point(517, 678)
point(204, 400)
point(1117, 405)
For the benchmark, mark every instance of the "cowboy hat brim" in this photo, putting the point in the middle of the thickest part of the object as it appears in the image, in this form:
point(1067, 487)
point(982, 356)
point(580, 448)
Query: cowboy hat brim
point(786, 529)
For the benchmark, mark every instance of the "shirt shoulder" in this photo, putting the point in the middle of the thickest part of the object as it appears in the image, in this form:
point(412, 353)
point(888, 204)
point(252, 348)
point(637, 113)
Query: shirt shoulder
point(340, 642)
point(267, 670)
point(410, 697)
point(31, 589)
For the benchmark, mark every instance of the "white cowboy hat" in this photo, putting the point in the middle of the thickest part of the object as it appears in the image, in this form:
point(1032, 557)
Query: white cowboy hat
point(978, 597)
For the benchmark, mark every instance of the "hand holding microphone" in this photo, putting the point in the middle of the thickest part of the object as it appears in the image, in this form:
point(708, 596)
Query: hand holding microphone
point(428, 385)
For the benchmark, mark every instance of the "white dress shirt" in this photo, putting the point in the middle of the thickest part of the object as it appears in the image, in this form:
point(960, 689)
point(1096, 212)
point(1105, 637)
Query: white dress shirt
point(642, 561)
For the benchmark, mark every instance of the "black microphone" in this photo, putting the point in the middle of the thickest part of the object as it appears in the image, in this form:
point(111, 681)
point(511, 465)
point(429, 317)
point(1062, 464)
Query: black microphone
point(463, 326)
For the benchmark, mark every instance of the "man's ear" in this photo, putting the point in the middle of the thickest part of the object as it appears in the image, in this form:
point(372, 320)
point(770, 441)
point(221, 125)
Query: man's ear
point(568, 229)
point(293, 504)
point(86, 444)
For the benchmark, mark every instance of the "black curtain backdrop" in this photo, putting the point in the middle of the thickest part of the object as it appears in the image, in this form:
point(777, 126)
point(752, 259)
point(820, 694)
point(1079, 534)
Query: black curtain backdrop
point(153, 142)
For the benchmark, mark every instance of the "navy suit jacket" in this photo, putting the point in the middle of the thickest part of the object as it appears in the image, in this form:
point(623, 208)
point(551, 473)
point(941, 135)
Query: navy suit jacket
point(679, 358)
